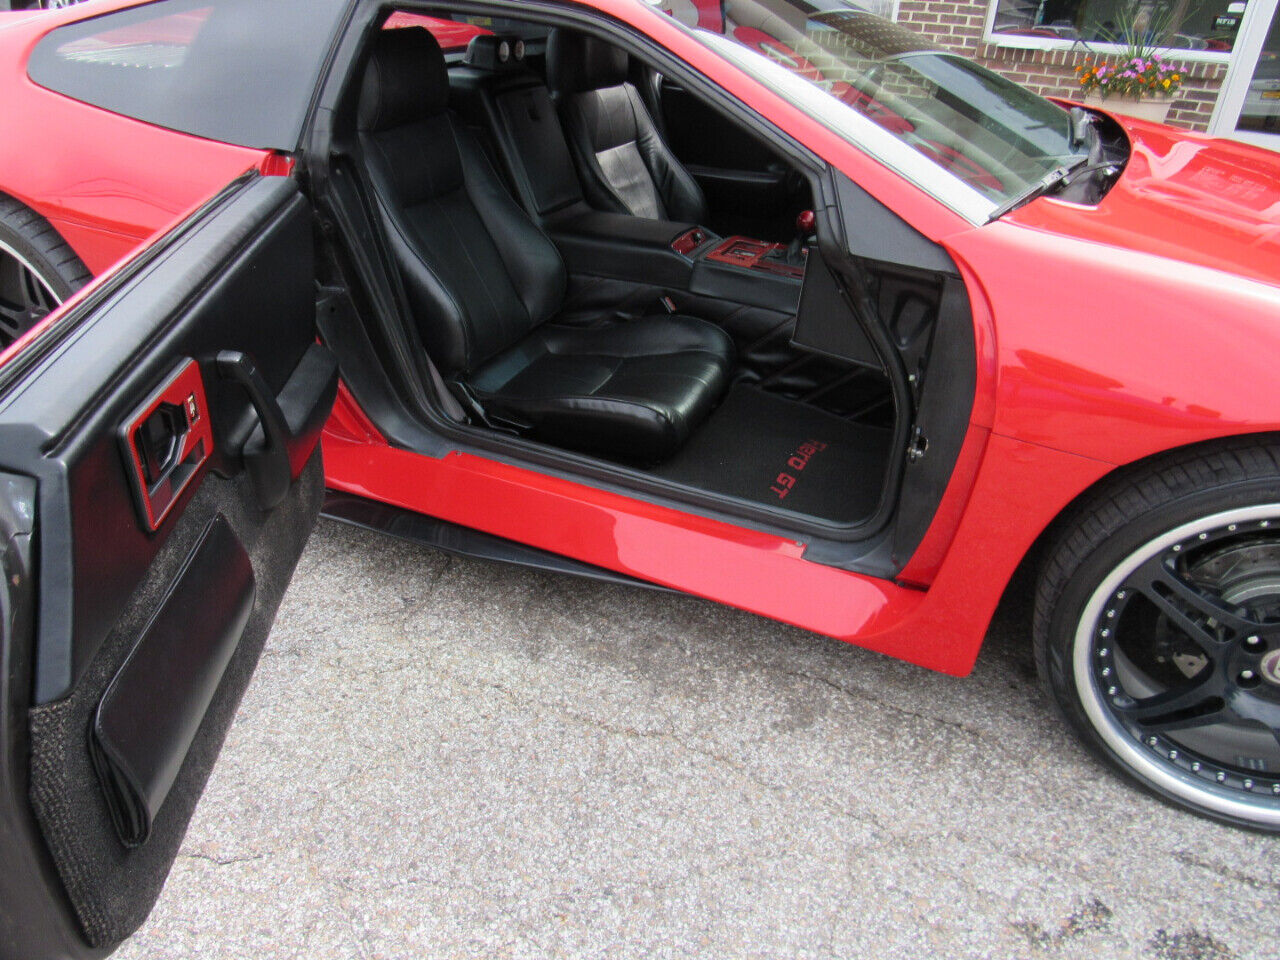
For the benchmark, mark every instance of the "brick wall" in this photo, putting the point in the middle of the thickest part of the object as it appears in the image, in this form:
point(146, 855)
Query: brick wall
point(958, 24)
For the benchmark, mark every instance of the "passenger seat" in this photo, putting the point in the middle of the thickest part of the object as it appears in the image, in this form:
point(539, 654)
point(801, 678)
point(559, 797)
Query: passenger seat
point(624, 164)
point(486, 285)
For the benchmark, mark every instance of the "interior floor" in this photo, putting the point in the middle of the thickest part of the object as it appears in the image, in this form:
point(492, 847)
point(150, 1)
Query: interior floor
point(764, 448)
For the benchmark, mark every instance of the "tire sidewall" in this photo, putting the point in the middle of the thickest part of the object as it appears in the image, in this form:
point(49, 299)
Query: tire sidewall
point(37, 260)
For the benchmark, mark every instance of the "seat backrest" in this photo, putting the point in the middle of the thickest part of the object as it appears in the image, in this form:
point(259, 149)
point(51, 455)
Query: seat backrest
point(625, 165)
point(479, 274)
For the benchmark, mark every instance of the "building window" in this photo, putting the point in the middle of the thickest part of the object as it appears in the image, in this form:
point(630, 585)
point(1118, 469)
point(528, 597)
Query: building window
point(1206, 27)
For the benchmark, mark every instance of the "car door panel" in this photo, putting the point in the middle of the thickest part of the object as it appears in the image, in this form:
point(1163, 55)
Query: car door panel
point(162, 554)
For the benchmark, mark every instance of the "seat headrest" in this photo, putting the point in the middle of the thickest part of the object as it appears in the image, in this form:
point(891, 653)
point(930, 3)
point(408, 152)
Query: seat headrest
point(406, 79)
point(577, 63)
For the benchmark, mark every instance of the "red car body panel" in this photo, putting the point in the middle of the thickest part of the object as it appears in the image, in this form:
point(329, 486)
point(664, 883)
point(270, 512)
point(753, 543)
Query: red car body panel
point(941, 628)
point(450, 34)
point(1065, 391)
point(1072, 377)
point(1185, 196)
point(121, 181)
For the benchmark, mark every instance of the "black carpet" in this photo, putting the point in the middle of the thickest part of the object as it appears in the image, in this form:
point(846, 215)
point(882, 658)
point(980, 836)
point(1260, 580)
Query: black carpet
point(761, 447)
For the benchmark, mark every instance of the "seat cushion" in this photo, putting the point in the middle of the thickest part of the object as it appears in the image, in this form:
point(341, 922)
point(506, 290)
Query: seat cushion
point(633, 389)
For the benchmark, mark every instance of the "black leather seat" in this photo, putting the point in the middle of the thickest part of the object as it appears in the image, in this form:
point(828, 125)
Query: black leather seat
point(485, 284)
point(624, 164)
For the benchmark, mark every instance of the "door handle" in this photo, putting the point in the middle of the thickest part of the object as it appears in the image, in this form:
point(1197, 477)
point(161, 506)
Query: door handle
point(166, 441)
point(289, 426)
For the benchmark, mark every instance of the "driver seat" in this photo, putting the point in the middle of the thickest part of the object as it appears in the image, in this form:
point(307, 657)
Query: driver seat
point(486, 286)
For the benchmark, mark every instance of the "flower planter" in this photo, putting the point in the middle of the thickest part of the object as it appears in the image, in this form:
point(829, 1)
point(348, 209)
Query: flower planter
point(1155, 109)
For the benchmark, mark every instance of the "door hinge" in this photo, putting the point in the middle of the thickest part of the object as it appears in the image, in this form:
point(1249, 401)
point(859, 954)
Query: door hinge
point(918, 446)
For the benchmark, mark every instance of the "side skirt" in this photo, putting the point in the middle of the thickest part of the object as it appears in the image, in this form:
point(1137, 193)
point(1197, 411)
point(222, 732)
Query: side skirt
point(462, 541)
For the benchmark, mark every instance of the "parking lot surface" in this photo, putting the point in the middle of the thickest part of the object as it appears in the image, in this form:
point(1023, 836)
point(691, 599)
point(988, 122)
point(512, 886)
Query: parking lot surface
point(440, 757)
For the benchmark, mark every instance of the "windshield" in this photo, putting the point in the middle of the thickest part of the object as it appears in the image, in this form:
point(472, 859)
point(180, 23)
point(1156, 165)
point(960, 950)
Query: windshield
point(845, 65)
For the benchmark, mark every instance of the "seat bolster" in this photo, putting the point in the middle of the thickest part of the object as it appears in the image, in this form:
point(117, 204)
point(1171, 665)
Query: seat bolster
point(532, 261)
point(442, 321)
point(629, 430)
point(680, 192)
point(648, 336)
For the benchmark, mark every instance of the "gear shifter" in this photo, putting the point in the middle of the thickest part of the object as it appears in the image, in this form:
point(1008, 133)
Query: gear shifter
point(806, 223)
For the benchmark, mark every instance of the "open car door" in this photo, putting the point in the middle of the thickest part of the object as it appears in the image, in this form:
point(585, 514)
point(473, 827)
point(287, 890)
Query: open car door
point(159, 476)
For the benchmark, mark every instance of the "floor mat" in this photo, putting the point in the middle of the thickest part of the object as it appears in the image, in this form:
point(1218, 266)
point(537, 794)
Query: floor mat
point(761, 447)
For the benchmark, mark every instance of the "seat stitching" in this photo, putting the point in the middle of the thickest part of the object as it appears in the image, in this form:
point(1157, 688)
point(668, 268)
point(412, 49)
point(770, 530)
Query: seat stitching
point(470, 260)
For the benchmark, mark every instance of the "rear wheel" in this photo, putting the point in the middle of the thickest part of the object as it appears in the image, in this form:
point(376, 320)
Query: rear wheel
point(37, 269)
point(1158, 629)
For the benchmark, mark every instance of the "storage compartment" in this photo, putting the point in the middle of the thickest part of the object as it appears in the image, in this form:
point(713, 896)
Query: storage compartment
point(148, 718)
point(622, 247)
point(159, 696)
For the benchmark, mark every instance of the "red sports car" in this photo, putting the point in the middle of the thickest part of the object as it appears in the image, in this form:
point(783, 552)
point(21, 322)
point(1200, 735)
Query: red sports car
point(768, 301)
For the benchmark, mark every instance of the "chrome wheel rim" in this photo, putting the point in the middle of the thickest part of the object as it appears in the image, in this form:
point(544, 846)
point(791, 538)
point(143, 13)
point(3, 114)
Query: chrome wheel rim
point(25, 296)
point(1177, 663)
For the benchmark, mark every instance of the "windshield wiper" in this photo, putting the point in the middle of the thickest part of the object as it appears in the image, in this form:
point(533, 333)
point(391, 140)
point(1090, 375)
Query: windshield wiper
point(1050, 181)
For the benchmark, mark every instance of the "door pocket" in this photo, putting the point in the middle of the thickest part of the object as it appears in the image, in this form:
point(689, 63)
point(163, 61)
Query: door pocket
point(147, 719)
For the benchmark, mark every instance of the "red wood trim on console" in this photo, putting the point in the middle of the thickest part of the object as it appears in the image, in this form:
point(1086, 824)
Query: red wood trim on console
point(689, 241)
point(750, 254)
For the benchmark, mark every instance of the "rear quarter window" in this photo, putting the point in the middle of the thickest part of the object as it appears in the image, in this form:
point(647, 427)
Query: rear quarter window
point(238, 71)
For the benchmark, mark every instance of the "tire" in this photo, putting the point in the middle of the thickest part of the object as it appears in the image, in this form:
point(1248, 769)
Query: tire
point(1157, 628)
point(38, 270)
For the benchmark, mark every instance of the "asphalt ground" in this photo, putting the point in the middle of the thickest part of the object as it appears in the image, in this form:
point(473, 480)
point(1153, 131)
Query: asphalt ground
point(447, 758)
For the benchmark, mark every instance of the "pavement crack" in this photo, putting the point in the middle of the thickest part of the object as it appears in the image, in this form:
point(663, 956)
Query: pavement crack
point(223, 861)
point(1189, 859)
point(434, 583)
point(358, 934)
point(858, 693)
point(734, 766)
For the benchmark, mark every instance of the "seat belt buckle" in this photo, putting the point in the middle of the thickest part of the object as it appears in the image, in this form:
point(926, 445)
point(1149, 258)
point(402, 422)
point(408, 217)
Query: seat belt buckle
point(667, 304)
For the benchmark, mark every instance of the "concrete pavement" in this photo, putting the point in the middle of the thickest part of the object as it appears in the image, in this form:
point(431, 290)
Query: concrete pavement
point(447, 758)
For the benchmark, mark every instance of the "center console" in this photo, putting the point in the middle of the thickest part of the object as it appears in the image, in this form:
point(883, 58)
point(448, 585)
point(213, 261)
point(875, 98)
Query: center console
point(754, 272)
point(679, 257)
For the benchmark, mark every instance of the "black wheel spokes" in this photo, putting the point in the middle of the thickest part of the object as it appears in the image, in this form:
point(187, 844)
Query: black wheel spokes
point(1229, 689)
point(24, 301)
point(1243, 705)
point(1205, 619)
point(1196, 704)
